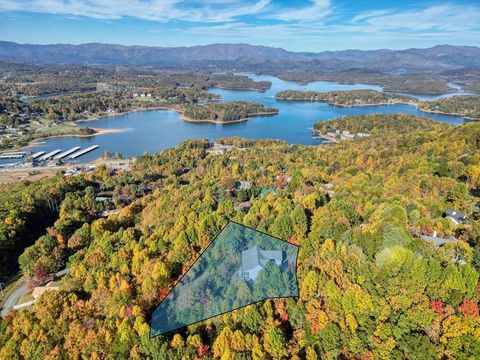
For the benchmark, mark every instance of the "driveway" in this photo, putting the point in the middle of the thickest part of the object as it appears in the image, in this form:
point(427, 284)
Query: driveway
point(12, 299)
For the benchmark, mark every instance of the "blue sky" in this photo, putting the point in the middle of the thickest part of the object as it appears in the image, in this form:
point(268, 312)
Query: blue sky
point(303, 25)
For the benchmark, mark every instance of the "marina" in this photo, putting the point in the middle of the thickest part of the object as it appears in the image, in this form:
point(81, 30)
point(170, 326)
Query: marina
point(43, 157)
point(163, 129)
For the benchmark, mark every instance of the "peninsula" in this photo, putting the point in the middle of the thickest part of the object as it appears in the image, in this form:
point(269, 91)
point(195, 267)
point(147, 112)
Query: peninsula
point(467, 106)
point(347, 98)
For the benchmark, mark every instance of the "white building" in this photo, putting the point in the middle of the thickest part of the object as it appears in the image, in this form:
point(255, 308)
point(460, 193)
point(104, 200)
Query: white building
point(255, 259)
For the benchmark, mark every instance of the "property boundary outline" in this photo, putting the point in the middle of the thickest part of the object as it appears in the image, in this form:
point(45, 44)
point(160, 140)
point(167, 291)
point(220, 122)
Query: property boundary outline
point(239, 307)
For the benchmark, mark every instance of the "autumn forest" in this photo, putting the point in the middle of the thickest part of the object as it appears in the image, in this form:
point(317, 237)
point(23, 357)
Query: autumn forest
point(371, 283)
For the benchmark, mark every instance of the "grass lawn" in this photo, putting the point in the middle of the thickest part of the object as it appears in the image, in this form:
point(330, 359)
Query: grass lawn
point(24, 298)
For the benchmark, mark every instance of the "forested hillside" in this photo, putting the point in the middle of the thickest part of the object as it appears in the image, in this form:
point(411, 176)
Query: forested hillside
point(347, 98)
point(468, 106)
point(370, 287)
point(26, 209)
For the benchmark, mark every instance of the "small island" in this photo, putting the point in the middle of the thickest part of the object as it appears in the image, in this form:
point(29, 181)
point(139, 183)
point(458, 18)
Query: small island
point(348, 98)
point(227, 112)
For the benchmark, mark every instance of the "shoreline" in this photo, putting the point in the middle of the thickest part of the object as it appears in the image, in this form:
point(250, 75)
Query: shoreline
point(239, 89)
point(99, 117)
point(466, 117)
point(349, 105)
point(346, 82)
point(416, 104)
point(98, 131)
point(172, 107)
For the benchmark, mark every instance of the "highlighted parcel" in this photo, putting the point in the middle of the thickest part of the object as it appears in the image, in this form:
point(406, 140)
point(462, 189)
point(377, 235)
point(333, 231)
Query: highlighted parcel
point(241, 266)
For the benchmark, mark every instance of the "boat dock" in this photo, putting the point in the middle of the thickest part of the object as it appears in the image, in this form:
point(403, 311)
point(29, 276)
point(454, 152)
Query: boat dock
point(66, 153)
point(50, 154)
point(330, 139)
point(12, 155)
point(83, 152)
point(45, 155)
point(37, 154)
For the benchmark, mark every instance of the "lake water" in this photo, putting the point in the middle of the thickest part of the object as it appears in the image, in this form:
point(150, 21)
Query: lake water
point(156, 130)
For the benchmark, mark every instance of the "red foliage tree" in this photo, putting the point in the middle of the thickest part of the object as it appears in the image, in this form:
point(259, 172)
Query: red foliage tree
point(437, 306)
point(128, 311)
point(292, 239)
point(281, 310)
point(469, 308)
point(163, 293)
point(203, 350)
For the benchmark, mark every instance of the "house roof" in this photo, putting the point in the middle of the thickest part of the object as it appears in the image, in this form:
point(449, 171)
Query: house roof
point(276, 255)
point(454, 214)
point(39, 290)
point(250, 258)
point(243, 185)
point(255, 256)
point(245, 205)
point(438, 241)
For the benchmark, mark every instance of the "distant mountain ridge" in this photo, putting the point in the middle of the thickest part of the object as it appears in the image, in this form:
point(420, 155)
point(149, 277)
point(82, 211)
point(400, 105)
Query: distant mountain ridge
point(243, 56)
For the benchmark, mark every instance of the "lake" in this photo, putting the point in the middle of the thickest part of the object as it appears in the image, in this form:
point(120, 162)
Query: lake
point(156, 130)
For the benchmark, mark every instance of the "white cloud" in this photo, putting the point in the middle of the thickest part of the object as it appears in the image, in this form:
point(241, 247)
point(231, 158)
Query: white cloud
point(314, 26)
point(318, 9)
point(157, 10)
point(214, 14)
point(446, 17)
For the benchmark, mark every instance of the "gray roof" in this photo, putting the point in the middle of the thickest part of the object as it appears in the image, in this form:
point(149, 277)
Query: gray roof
point(250, 258)
point(457, 215)
point(243, 185)
point(255, 256)
point(276, 255)
point(438, 241)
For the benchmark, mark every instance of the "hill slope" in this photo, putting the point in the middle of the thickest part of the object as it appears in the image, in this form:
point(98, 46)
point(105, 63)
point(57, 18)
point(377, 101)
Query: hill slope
point(438, 58)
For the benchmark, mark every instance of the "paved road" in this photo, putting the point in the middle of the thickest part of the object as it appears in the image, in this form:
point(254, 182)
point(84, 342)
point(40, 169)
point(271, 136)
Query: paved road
point(13, 298)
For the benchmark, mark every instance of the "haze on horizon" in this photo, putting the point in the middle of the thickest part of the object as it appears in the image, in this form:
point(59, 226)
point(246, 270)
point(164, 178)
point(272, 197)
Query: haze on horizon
point(307, 25)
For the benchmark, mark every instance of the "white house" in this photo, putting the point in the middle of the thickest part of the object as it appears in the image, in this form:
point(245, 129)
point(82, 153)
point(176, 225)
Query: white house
point(255, 259)
point(39, 290)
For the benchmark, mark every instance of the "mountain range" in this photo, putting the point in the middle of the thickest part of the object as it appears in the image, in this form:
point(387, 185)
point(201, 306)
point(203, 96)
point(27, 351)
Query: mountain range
point(439, 58)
